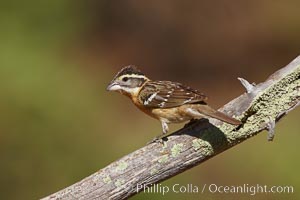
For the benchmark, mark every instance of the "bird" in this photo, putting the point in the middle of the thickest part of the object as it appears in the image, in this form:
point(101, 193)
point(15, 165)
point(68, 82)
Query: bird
point(167, 101)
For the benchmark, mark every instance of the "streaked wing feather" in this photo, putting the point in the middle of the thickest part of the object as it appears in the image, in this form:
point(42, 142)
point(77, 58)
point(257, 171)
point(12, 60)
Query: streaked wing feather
point(166, 94)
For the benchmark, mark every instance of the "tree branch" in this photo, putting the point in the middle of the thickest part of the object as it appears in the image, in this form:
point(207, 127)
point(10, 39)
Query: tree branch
point(259, 108)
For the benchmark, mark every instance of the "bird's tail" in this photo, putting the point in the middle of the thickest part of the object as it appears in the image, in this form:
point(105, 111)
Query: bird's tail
point(210, 112)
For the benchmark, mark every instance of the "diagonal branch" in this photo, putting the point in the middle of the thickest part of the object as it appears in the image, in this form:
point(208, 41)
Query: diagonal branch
point(258, 109)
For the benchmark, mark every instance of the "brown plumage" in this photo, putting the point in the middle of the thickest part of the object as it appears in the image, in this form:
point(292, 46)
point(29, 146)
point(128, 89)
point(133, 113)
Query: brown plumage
point(167, 101)
point(169, 94)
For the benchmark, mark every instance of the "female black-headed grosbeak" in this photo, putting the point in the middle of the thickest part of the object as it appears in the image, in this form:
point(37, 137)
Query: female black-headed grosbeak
point(167, 101)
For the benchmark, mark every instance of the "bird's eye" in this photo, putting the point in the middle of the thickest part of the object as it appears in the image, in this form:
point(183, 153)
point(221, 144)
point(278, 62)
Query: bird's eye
point(125, 79)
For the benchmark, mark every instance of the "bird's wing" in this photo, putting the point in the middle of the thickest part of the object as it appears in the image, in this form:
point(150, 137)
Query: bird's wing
point(167, 94)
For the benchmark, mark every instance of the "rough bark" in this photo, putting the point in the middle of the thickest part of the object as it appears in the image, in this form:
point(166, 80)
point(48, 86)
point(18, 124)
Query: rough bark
point(259, 109)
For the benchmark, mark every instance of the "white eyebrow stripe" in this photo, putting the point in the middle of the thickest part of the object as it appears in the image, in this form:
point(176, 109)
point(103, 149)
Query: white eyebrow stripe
point(133, 76)
point(150, 98)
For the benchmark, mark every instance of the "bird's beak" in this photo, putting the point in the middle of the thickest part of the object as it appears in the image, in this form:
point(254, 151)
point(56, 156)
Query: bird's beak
point(113, 86)
point(109, 86)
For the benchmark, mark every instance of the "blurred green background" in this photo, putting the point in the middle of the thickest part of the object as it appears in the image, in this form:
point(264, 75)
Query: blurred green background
point(58, 124)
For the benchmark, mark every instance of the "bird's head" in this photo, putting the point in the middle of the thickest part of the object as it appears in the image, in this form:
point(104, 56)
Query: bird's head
point(128, 81)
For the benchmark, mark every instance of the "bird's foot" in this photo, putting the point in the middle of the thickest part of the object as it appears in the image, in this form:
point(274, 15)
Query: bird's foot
point(156, 140)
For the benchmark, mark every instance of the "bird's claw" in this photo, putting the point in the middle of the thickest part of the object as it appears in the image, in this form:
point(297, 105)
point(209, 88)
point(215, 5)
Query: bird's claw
point(156, 140)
